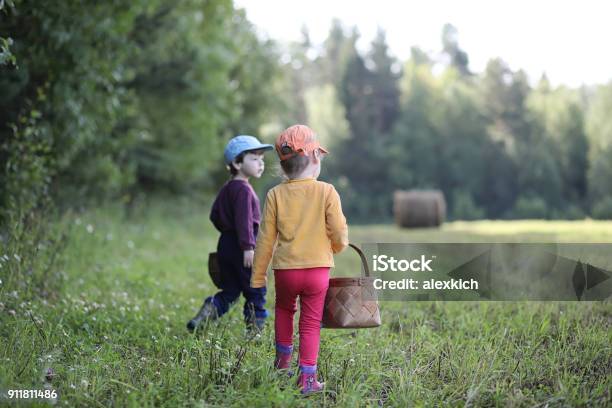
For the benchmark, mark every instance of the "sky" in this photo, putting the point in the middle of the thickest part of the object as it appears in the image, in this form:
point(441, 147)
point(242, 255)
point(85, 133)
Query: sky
point(571, 41)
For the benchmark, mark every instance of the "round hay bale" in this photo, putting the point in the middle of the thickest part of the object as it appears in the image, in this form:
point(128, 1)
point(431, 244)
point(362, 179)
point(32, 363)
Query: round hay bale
point(419, 208)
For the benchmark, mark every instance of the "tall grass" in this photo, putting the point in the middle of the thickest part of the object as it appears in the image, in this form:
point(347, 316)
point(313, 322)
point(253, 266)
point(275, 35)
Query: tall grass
point(116, 336)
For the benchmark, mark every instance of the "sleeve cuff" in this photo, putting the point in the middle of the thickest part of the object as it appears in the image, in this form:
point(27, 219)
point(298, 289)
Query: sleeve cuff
point(258, 284)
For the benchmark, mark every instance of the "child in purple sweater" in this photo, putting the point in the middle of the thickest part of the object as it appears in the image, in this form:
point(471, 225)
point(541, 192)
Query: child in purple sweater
point(236, 214)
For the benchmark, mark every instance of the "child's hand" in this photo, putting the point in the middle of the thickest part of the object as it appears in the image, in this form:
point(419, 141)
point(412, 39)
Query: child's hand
point(248, 258)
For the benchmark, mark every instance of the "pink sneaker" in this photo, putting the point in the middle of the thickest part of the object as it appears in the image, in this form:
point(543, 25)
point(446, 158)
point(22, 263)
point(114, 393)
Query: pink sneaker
point(307, 380)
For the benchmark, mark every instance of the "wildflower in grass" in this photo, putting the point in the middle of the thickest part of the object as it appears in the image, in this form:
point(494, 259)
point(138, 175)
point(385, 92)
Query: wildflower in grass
point(49, 374)
point(90, 228)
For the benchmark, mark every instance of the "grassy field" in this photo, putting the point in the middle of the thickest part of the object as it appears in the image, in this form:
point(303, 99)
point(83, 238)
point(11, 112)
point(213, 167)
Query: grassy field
point(115, 335)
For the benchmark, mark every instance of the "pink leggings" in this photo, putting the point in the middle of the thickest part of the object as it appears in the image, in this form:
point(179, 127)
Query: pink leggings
point(310, 285)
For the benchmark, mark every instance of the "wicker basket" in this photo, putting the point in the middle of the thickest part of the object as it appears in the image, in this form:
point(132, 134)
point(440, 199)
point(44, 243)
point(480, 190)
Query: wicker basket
point(351, 303)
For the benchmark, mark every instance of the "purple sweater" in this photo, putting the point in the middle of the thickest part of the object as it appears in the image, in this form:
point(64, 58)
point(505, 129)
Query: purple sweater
point(236, 209)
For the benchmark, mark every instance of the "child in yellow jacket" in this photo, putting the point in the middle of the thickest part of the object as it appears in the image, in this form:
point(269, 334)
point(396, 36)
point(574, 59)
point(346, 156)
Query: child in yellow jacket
point(302, 227)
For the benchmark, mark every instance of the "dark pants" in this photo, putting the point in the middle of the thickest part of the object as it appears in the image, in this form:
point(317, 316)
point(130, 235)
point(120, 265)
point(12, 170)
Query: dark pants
point(236, 279)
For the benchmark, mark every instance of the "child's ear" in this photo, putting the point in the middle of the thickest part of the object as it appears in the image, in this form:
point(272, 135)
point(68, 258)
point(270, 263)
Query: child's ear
point(236, 164)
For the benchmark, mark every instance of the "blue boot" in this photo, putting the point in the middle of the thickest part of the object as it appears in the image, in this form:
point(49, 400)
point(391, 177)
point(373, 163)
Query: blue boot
point(255, 325)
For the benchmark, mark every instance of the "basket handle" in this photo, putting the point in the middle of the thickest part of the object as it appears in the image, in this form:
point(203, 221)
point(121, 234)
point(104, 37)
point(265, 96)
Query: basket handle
point(364, 262)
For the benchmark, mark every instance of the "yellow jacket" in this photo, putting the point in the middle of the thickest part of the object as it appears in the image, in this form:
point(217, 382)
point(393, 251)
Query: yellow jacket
point(303, 226)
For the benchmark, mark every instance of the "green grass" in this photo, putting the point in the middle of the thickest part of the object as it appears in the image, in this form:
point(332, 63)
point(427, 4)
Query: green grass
point(115, 335)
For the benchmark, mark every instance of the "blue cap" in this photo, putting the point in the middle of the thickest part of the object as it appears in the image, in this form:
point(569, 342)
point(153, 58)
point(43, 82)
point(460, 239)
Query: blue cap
point(242, 143)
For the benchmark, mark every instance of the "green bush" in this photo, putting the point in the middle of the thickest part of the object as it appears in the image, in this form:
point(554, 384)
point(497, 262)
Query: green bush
point(112, 100)
point(464, 207)
point(569, 212)
point(573, 212)
point(603, 209)
point(530, 207)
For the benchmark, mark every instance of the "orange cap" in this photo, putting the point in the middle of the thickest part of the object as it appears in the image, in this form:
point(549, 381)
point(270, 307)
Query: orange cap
point(301, 139)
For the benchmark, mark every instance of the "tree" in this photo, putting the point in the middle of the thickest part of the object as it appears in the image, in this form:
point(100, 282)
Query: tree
point(338, 48)
point(298, 74)
point(505, 95)
point(326, 115)
point(371, 98)
point(560, 116)
point(462, 127)
point(450, 46)
point(415, 146)
point(219, 83)
point(384, 83)
point(125, 97)
point(599, 131)
point(61, 101)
